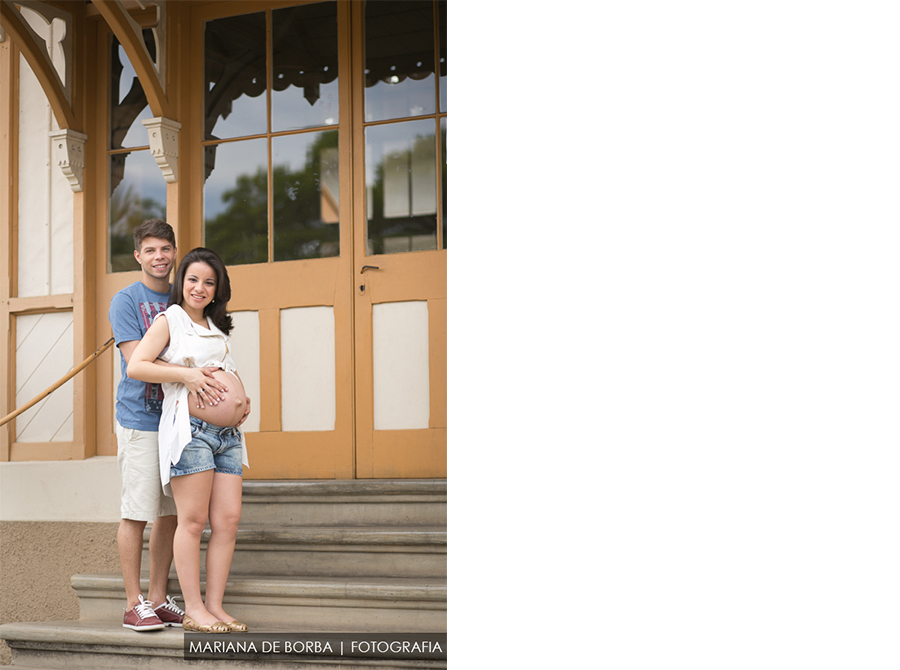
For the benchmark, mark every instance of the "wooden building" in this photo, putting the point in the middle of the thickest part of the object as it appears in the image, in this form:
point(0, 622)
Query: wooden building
point(303, 141)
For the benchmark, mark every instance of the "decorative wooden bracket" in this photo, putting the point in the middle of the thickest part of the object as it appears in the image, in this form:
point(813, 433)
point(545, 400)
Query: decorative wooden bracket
point(164, 145)
point(69, 148)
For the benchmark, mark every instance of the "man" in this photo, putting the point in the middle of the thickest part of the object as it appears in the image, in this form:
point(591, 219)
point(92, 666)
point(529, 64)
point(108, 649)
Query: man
point(138, 409)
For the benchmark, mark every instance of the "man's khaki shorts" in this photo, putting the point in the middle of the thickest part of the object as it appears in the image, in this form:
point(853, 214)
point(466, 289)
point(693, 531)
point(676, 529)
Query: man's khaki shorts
point(142, 495)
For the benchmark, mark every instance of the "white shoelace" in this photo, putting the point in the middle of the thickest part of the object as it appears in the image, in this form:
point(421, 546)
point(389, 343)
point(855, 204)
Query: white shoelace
point(172, 607)
point(144, 608)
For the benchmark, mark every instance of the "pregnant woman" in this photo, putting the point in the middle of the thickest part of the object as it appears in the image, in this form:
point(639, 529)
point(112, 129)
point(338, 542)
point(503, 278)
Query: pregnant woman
point(201, 448)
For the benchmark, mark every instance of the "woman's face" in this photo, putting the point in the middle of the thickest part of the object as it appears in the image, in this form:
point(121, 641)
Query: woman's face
point(199, 286)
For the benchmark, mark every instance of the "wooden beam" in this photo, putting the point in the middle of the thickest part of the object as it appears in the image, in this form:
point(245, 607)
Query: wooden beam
point(120, 23)
point(39, 61)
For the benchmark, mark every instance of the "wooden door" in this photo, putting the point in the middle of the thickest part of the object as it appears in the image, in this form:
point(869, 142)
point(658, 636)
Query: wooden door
point(400, 256)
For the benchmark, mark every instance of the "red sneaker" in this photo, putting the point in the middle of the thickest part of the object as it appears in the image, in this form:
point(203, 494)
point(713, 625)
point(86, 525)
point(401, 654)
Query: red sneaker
point(141, 617)
point(169, 613)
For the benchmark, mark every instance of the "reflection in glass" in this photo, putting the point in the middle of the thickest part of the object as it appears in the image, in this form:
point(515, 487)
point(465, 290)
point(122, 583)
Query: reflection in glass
point(442, 51)
point(137, 192)
point(306, 195)
point(236, 201)
point(127, 100)
point(304, 82)
point(399, 59)
point(444, 180)
point(235, 71)
point(401, 191)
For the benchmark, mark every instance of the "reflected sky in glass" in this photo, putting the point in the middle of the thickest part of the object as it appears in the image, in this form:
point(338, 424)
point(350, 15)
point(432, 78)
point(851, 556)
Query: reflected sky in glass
point(235, 76)
point(129, 107)
point(399, 75)
point(305, 62)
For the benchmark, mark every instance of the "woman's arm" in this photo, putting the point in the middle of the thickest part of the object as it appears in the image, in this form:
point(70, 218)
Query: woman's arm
point(142, 367)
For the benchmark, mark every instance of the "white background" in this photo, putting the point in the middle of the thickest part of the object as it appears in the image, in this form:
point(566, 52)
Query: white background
point(674, 336)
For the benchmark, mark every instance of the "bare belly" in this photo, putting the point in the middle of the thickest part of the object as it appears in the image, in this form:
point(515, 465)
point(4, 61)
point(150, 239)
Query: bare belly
point(229, 411)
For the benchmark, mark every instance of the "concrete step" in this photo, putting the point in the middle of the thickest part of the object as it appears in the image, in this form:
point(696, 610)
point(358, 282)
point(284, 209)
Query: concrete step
point(102, 645)
point(309, 604)
point(345, 502)
point(375, 551)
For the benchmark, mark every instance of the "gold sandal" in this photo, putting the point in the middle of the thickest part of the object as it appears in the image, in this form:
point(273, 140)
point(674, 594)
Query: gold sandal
point(236, 627)
point(191, 626)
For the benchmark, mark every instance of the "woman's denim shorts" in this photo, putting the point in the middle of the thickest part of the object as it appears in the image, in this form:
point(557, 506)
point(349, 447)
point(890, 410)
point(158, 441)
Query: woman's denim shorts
point(211, 448)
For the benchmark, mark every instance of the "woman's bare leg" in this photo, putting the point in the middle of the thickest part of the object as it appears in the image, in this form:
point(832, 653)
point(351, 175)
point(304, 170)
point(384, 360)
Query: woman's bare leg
point(224, 515)
point(192, 498)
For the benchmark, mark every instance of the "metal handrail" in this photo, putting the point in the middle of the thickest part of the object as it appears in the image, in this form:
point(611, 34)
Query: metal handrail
point(87, 361)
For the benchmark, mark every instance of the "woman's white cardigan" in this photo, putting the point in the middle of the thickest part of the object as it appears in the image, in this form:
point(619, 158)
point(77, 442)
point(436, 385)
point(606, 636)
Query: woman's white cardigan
point(191, 346)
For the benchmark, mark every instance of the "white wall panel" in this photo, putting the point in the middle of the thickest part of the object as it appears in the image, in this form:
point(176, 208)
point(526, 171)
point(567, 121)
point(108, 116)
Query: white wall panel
point(245, 350)
point(45, 232)
point(308, 400)
point(44, 354)
point(400, 365)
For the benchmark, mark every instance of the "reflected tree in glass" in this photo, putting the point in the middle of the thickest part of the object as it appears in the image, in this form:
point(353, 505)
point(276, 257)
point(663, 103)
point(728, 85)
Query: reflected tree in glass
point(306, 195)
point(236, 202)
point(401, 190)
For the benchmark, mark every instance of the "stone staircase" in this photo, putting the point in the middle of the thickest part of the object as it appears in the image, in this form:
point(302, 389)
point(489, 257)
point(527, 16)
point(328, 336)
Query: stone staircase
point(338, 556)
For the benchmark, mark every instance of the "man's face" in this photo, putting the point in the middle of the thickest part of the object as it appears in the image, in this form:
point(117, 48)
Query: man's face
point(156, 257)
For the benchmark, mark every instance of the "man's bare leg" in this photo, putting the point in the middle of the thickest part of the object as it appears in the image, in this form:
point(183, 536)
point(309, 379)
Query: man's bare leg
point(162, 533)
point(130, 539)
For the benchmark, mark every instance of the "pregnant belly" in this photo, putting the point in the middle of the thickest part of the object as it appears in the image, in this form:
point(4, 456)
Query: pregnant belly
point(229, 411)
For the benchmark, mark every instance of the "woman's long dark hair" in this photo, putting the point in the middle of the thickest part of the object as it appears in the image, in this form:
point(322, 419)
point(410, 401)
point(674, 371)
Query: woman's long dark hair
point(217, 309)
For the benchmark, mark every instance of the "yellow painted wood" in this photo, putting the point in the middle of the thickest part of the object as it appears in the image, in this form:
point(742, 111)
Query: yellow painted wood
point(437, 368)
point(41, 451)
point(42, 303)
point(409, 453)
point(295, 455)
point(9, 73)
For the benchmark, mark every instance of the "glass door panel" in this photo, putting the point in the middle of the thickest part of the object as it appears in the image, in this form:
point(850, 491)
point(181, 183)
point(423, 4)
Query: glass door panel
point(401, 200)
point(306, 195)
point(305, 67)
point(236, 201)
point(399, 47)
point(235, 76)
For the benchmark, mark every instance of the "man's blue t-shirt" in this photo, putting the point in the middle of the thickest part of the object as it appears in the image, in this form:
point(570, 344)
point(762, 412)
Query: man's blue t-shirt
point(138, 404)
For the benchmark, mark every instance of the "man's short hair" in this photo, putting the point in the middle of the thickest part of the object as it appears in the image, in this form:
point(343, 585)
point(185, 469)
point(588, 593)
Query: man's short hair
point(153, 228)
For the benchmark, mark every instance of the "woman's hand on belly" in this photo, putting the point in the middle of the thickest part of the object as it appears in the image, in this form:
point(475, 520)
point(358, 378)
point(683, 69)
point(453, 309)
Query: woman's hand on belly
point(204, 387)
point(229, 410)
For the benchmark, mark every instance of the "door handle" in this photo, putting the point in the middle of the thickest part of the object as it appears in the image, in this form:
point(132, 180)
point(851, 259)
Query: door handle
point(369, 267)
